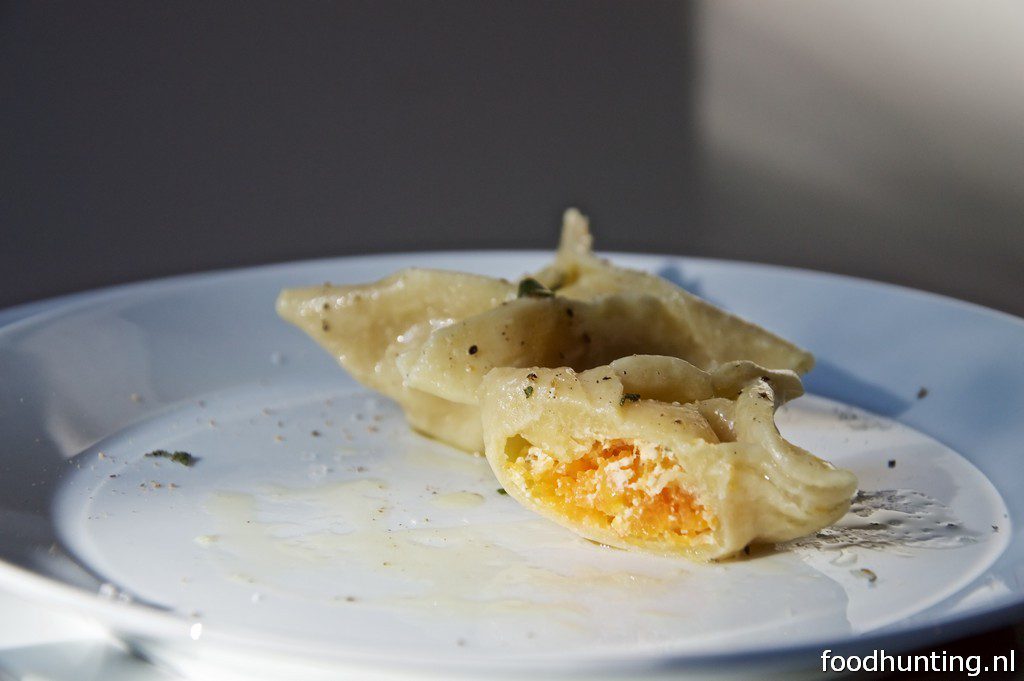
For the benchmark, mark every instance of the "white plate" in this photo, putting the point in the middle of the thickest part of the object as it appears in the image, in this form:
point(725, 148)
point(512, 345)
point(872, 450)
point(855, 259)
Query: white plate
point(316, 534)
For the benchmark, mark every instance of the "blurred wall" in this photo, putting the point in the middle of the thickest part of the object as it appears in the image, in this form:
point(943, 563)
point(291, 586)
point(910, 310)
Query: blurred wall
point(876, 139)
point(873, 138)
point(143, 139)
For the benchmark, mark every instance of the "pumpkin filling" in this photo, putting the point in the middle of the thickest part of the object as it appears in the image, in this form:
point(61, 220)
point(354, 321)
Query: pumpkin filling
point(631, 488)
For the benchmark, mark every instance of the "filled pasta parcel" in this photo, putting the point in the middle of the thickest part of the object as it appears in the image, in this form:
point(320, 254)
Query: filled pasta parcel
point(655, 454)
point(426, 338)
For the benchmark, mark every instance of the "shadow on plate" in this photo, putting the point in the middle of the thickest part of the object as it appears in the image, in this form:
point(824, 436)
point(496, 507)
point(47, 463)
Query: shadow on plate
point(829, 380)
point(826, 379)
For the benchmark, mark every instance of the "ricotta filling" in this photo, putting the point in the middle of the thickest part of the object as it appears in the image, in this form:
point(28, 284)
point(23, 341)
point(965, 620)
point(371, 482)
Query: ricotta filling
point(632, 488)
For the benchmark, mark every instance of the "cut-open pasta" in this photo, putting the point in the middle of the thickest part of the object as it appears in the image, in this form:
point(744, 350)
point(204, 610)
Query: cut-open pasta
point(652, 453)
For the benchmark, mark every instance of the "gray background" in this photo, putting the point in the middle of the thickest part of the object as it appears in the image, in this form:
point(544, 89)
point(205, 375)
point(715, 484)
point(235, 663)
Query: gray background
point(146, 139)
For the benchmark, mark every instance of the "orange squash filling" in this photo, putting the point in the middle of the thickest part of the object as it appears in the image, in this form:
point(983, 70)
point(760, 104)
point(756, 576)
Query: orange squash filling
point(632, 489)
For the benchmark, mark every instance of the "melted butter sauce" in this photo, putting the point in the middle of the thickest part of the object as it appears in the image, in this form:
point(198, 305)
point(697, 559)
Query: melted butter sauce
point(400, 561)
point(892, 519)
point(471, 559)
point(396, 561)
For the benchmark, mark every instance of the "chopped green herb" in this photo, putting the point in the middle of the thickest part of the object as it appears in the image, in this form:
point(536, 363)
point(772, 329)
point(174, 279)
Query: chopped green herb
point(184, 458)
point(867, 574)
point(528, 391)
point(632, 397)
point(531, 288)
point(502, 492)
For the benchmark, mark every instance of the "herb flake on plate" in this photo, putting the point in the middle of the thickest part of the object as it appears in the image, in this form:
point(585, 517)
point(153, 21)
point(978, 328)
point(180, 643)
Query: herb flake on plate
point(184, 458)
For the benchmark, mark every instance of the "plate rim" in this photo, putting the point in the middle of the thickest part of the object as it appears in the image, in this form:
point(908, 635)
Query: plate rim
point(20, 312)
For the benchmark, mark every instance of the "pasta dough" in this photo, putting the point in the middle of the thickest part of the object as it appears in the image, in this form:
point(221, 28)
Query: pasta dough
point(426, 338)
point(652, 453)
point(554, 331)
point(581, 275)
point(366, 326)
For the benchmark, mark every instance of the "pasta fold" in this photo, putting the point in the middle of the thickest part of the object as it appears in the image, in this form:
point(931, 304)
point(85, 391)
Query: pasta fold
point(365, 327)
point(426, 338)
